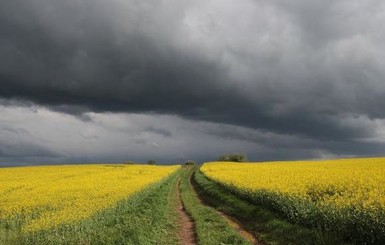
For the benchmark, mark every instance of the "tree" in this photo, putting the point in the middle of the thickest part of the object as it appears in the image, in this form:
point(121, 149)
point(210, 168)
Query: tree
point(190, 162)
point(151, 162)
point(234, 157)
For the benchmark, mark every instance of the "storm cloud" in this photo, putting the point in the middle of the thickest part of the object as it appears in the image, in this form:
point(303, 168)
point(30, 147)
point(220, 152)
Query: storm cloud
point(278, 79)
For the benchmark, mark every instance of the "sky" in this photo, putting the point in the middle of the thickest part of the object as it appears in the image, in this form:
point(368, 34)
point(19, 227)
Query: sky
point(174, 80)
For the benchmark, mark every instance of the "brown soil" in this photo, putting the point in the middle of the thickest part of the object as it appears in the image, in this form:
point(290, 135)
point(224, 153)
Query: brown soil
point(187, 235)
point(236, 225)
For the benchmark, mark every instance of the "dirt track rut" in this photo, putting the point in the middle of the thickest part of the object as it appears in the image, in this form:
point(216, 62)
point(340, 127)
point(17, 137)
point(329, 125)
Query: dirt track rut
point(187, 234)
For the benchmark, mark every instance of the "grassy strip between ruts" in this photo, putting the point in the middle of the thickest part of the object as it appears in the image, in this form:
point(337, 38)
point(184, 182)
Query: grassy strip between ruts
point(268, 226)
point(147, 217)
point(211, 228)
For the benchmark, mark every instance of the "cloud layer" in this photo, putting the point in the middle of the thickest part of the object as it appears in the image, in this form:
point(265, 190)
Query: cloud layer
point(311, 71)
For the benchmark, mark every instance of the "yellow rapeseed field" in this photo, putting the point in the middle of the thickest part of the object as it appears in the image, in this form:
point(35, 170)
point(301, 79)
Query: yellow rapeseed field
point(358, 183)
point(47, 196)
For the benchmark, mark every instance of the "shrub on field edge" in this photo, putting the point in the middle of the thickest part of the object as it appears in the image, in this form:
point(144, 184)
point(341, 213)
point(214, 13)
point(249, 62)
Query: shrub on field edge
point(151, 162)
point(190, 162)
point(234, 157)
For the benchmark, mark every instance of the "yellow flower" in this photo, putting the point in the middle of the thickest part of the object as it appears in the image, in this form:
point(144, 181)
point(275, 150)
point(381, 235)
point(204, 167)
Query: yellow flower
point(359, 183)
point(47, 196)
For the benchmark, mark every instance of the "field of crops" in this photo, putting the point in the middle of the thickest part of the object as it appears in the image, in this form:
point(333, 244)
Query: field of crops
point(298, 202)
point(43, 197)
point(346, 196)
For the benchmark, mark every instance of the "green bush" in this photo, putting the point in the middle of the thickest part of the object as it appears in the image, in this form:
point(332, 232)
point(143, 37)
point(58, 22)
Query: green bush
point(151, 162)
point(190, 162)
point(234, 157)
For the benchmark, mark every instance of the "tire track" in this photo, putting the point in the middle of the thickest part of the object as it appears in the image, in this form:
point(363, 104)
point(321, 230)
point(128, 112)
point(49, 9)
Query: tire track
point(235, 224)
point(187, 233)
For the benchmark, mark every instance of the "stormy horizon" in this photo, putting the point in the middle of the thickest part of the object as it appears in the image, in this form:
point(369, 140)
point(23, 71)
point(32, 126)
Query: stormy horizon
point(91, 81)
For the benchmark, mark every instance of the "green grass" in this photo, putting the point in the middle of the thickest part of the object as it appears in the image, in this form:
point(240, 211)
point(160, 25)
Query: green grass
point(268, 226)
point(148, 217)
point(211, 228)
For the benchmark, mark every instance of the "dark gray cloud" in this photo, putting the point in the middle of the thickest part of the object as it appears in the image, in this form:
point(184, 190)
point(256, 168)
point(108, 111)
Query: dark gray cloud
point(161, 131)
point(17, 142)
point(44, 136)
point(286, 146)
point(25, 150)
point(309, 73)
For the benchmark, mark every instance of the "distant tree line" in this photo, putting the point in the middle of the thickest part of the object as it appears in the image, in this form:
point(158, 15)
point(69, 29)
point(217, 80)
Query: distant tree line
point(149, 162)
point(231, 157)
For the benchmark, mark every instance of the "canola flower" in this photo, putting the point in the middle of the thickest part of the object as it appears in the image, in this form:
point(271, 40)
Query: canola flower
point(47, 196)
point(358, 183)
point(345, 196)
